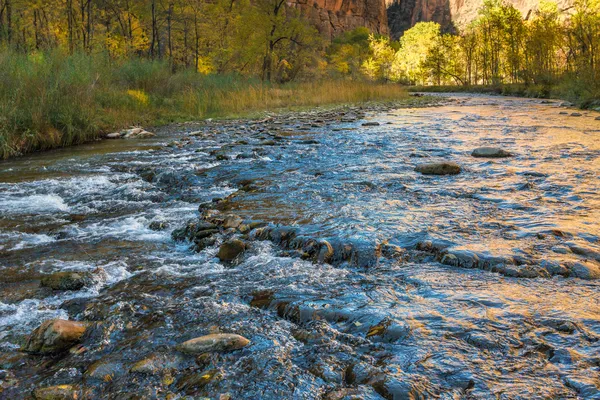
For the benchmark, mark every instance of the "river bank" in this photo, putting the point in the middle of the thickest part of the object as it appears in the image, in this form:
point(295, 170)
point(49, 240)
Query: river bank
point(51, 100)
point(310, 244)
point(570, 96)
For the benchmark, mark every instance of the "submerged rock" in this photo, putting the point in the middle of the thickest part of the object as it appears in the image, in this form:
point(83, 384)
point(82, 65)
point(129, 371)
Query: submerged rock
point(59, 392)
point(490, 152)
point(214, 342)
point(158, 226)
point(232, 221)
point(194, 231)
point(231, 249)
point(54, 336)
point(442, 168)
point(192, 382)
point(104, 370)
point(65, 280)
point(154, 364)
point(585, 270)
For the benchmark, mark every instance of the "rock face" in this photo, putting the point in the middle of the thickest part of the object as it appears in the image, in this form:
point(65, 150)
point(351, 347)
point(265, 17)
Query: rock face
point(54, 336)
point(332, 17)
point(404, 14)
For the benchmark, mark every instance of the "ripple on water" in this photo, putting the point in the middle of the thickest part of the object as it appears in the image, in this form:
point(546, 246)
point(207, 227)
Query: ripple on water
point(398, 328)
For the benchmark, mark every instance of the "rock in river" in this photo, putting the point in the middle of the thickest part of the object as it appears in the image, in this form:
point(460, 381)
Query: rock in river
point(585, 270)
point(60, 392)
point(231, 249)
point(53, 336)
point(490, 152)
point(232, 221)
point(442, 168)
point(65, 280)
point(213, 342)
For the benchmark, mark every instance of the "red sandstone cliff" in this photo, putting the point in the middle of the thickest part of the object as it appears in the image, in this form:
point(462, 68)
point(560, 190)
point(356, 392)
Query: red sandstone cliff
point(333, 17)
point(403, 14)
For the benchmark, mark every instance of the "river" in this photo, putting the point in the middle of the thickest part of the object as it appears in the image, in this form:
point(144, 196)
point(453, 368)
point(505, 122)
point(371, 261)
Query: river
point(477, 285)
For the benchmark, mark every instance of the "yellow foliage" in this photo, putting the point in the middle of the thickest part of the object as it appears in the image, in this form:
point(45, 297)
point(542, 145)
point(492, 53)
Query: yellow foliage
point(205, 67)
point(139, 95)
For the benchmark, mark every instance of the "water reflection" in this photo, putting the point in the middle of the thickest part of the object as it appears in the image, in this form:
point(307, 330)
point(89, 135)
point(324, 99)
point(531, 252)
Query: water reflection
point(420, 325)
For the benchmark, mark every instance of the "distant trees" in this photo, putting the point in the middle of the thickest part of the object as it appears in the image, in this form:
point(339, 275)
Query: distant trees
point(498, 47)
point(261, 37)
point(267, 39)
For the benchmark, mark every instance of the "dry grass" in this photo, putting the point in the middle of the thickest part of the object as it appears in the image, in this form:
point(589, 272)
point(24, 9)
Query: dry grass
point(258, 97)
point(53, 100)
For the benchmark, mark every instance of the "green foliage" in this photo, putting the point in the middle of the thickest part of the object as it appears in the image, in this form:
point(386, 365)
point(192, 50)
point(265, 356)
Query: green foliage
point(262, 37)
point(415, 45)
point(549, 54)
point(348, 52)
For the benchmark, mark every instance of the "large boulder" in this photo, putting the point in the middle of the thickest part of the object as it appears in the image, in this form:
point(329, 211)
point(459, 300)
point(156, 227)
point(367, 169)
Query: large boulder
point(54, 336)
point(441, 168)
point(214, 342)
point(490, 152)
point(231, 249)
point(65, 280)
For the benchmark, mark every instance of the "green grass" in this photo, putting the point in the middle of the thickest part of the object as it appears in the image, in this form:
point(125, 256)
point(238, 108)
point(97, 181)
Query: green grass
point(50, 100)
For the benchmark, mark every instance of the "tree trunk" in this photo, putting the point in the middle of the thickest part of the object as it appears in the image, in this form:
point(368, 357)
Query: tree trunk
point(70, 22)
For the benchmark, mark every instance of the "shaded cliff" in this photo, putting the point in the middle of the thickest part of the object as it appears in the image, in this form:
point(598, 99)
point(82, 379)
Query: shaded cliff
point(403, 14)
point(333, 17)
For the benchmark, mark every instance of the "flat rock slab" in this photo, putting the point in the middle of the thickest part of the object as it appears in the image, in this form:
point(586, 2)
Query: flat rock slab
point(490, 152)
point(443, 168)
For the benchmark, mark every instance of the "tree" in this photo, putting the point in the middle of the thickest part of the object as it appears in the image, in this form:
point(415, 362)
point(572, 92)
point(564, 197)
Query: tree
point(415, 45)
point(379, 66)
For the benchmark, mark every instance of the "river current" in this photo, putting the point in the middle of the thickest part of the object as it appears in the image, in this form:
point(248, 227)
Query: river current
point(479, 285)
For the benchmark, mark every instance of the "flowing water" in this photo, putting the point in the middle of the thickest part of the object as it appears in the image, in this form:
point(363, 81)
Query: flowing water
point(480, 285)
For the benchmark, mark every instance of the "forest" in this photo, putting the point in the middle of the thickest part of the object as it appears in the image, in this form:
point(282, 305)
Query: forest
point(71, 69)
point(552, 52)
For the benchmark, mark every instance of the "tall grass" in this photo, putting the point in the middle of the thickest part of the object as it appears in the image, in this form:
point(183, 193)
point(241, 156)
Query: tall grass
point(50, 100)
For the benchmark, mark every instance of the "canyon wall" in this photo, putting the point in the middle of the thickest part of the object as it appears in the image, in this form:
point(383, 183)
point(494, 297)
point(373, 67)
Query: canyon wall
point(332, 17)
point(403, 14)
point(393, 17)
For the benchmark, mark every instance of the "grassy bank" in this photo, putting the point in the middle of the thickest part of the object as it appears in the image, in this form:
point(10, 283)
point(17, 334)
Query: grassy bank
point(53, 100)
point(581, 94)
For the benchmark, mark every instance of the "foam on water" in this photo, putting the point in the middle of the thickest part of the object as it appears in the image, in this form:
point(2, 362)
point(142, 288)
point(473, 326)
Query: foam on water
point(24, 316)
point(34, 204)
point(19, 240)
